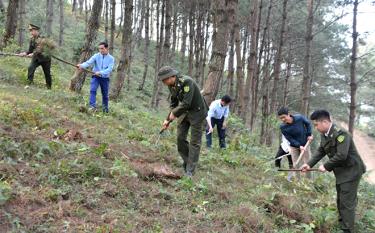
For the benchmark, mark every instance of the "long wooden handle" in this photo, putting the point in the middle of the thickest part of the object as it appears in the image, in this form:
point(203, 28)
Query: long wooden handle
point(302, 152)
point(12, 54)
point(69, 63)
point(298, 170)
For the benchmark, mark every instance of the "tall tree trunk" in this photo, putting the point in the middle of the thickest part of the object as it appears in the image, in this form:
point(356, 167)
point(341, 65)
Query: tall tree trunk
point(165, 39)
point(279, 52)
point(287, 76)
point(61, 33)
point(74, 5)
point(147, 45)
point(174, 30)
point(106, 20)
point(245, 44)
point(256, 72)
point(184, 34)
point(122, 6)
point(141, 23)
point(136, 11)
point(230, 75)
point(157, 53)
point(240, 94)
point(2, 7)
point(224, 12)
point(306, 84)
point(204, 45)
point(11, 23)
point(266, 122)
point(113, 26)
point(251, 59)
point(78, 78)
point(21, 22)
point(239, 71)
point(353, 78)
point(81, 6)
point(157, 85)
point(86, 12)
point(198, 35)
point(49, 17)
point(151, 21)
point(191, 36)
point(168, 23)
point(125, 60)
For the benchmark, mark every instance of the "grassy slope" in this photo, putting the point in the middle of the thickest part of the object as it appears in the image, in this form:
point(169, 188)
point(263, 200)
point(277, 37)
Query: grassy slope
point(50, 182)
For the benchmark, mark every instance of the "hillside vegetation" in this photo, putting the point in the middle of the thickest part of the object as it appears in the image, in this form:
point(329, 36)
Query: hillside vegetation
point(63, 169)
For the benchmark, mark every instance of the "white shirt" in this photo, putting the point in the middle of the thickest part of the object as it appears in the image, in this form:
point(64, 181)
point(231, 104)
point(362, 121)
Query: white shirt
point(284, 143)
point(218, 111)
point(329, 129)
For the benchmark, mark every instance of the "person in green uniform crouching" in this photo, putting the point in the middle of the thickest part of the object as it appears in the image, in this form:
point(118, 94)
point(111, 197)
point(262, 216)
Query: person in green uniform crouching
point(39, 57)
point(345, 163)
point(189, 106)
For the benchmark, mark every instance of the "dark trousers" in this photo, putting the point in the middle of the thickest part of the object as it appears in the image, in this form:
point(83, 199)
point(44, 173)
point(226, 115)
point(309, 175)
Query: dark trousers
point(104, 87)
point(346, 204)
point(220, 131)
point(280, 153)
point(189, 151)
point(46, 66)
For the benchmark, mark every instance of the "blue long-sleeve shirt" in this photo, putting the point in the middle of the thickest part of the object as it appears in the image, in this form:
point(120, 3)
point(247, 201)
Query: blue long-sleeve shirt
point(298, 131)
point(102, 63)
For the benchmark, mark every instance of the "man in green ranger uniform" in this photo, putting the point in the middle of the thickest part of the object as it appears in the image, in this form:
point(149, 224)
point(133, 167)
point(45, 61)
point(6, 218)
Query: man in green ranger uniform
point(189, 106)
point(38, 57)
point(345, 163)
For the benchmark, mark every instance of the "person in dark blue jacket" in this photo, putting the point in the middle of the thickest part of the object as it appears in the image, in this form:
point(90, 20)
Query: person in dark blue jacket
point(102, 63)
point(297, 130)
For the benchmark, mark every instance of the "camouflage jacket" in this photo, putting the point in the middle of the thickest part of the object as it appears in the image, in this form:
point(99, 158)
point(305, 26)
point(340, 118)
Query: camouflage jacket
point(35, 47)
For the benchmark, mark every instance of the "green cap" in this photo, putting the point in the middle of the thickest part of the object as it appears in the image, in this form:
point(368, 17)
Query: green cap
point(33, 26)
point(166, 72)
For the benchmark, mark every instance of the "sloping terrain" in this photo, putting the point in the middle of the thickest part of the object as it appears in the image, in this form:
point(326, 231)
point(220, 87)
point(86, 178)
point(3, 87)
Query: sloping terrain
point(66, 170)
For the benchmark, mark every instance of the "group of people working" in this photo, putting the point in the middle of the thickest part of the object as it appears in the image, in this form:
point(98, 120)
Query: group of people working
point(337, 144)
point(189, 108)
point(102, 64)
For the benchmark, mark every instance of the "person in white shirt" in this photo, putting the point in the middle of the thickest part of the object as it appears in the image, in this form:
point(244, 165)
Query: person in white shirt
point(218, 115)
point(283, 150)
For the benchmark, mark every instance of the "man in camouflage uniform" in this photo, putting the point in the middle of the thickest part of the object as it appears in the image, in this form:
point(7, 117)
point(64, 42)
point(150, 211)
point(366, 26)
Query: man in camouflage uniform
point(189, 106)
point(345, 163)
point(37, 57)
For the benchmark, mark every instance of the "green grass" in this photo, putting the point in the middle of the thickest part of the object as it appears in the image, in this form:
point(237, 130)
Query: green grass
point(88, 185)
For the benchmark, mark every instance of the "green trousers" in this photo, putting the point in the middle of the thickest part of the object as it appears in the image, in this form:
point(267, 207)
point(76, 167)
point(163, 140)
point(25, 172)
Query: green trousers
point(46, 65)
point(346, 204)
point(189, 151)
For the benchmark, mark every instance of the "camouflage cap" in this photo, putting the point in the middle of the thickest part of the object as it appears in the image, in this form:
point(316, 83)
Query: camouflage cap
point(166, 72)
point(33, 26)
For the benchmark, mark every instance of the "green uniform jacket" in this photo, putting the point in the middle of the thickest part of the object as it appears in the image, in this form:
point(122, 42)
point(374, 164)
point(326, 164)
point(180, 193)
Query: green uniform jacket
point(187, 99)
point(344, 159)
point(34, 42)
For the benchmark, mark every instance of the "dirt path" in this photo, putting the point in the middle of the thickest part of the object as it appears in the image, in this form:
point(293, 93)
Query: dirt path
point(366, 148)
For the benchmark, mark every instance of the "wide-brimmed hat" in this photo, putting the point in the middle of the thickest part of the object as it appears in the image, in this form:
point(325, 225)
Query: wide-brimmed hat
point(166, 72)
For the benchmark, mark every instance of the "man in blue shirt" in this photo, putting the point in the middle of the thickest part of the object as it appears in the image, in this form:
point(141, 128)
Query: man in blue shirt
point(102, 63)
point(297, 130)
point(218, 115)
